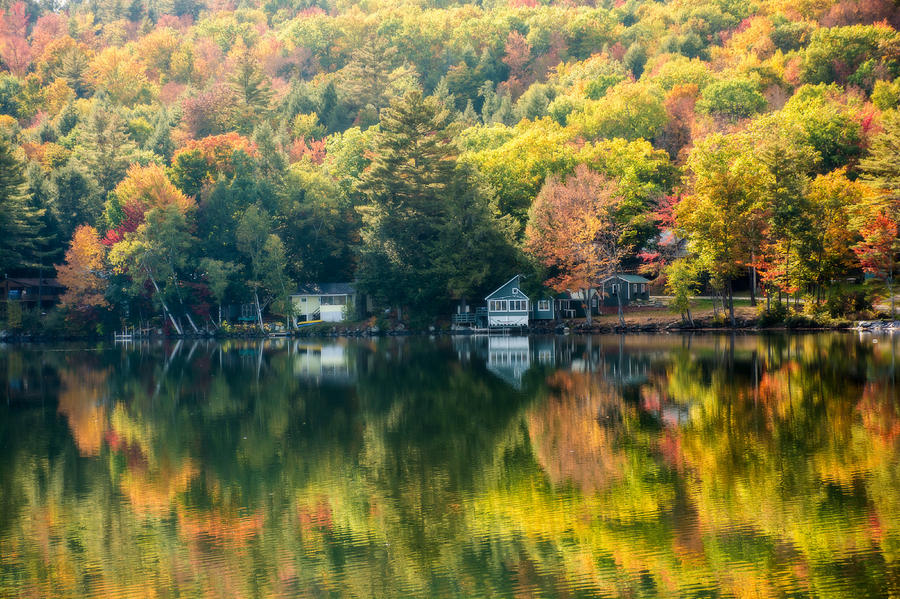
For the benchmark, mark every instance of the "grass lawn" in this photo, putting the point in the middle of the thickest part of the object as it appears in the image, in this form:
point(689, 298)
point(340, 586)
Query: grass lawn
point(701, 308)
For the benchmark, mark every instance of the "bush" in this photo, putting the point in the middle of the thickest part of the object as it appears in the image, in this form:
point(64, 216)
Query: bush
point(774, 316)
point(841, 302)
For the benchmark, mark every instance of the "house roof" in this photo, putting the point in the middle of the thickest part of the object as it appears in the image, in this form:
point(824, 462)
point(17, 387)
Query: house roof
point(326, 289)
point(32, 282)
point(627, 278)
point(504, 285)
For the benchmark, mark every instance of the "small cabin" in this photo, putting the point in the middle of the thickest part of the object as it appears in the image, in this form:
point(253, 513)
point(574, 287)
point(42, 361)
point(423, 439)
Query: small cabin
point(508, 306)
point(329, 302)
point(630, 287)
point(31, 292)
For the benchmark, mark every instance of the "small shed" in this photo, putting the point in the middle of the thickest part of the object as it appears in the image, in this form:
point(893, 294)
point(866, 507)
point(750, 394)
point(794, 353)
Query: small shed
point(508, 306)
point(631, 288)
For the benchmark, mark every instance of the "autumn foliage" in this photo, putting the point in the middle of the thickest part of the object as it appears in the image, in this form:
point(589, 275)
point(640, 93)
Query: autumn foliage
point(572, 229)
point(81, 274)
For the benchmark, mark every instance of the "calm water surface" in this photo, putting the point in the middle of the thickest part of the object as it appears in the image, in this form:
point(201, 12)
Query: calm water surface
point(659, 466)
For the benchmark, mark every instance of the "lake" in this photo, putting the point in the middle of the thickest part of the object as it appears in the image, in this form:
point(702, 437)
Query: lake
point(636, 466)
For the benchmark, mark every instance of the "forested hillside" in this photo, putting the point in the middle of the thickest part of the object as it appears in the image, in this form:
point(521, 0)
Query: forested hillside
point(180, 154)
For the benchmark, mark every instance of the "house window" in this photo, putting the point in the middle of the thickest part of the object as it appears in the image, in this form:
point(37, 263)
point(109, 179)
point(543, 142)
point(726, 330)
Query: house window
point(614, 289)
point(543, 305)
point(333, 300)
point(518, 305)
point(515, 291)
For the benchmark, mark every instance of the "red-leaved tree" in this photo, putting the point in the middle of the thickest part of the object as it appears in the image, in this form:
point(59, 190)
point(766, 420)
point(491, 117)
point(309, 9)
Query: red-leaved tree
point(14, 49)
point(877, 252)
point(575, 230)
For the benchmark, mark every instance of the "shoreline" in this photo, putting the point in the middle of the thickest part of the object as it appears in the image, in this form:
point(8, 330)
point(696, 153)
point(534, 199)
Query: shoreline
point(578, 329)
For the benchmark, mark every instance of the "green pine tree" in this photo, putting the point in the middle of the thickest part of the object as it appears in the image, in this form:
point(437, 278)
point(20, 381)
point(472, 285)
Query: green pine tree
point(426, 233)
point(253, 93)
point(881, 167)
point(18, 220)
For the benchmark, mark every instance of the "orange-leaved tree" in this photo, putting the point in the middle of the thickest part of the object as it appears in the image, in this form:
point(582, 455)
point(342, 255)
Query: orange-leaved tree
point(200, 161)
point(576, 230)
point(150, 232)
point(142, 189)
point(82, 273)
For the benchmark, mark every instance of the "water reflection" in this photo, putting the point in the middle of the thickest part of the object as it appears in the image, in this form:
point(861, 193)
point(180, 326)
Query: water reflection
point(557, 466)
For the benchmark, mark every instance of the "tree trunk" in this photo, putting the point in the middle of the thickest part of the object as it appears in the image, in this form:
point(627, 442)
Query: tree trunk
point(891, 291)
point(621, 313)
point(220, 314)
point(753, 279)
point(258, 311)
point(190, 320)
point(731, 302)
point(587, 306)
point(165, 308)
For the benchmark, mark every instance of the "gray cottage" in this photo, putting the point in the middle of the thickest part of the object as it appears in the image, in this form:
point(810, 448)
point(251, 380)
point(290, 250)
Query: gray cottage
point(508, 306)
point(631, 288)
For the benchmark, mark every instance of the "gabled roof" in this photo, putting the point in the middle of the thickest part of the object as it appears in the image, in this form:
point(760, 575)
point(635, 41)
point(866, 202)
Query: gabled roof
point(627, 278)
point(325, 289)
point(515, 278)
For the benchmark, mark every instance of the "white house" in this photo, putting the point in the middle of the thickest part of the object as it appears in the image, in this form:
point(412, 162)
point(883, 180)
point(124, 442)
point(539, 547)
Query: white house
point(329, 302)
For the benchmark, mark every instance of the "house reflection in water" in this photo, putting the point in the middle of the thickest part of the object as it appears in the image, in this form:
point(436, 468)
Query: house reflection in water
point(323, 362)
point(509, 358)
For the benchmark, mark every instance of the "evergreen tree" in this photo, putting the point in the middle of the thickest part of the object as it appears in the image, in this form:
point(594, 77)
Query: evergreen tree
point(421, 212)
point(160, 142)
point(78, 199)
point(881, 167)
point(253, 93)
point(67, 119)
point(48, 242)
point(367, 77)
point(272, 160)
point(18, 221)
point(107, 151)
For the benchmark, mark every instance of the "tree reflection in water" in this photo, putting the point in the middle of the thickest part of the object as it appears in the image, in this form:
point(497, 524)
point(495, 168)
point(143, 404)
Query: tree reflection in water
point(605, 466)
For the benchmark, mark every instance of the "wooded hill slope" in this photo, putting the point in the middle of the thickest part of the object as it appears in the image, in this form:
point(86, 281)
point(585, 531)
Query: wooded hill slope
point(206, 153)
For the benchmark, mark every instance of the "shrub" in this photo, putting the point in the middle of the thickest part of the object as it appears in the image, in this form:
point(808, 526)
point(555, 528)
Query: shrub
point(842, 301)
point(774, 316)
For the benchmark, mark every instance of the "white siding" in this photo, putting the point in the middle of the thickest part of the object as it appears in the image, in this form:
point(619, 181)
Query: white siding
point(508, 320)
point(332, 313)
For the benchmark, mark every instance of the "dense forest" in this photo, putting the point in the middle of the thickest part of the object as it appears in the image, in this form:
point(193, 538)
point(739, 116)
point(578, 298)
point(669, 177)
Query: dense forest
point(166, 157)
